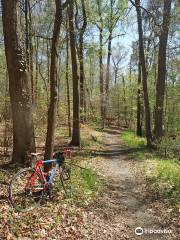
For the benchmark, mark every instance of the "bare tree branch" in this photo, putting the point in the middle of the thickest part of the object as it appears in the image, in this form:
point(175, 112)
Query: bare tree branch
point(65, 4)
point(148, 12)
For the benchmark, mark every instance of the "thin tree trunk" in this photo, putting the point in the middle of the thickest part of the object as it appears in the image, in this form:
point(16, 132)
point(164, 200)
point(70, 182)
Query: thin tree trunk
point(108, 74)
point(115, 75)
point(28, 42)
point(139, 117)
point(101, 79)
point(76, 114)
point(27, 33)
point(36, 70)
point(124, 99)
point(81, 60)
point(19, 84)
point(144, 75)
point(118, 107)
point(131, 97)
point(81, 67)
point(161, 75)
point(48, 57)
point(31, 67)
point(67, 83)
point(49, 146)
point(91, 74)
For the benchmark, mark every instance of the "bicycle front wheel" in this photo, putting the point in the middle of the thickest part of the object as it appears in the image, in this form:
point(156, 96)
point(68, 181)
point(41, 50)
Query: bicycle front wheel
point(26, 190)
point(5, 177)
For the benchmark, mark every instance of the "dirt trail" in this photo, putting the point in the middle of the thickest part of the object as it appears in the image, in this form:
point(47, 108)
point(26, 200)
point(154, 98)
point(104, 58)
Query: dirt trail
point(124, 205)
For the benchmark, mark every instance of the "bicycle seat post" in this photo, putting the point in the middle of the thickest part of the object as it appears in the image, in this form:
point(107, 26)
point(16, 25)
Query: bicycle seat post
point(35, 157)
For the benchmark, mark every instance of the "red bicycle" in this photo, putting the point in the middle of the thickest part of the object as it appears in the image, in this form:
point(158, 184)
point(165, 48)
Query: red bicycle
point(28, 186)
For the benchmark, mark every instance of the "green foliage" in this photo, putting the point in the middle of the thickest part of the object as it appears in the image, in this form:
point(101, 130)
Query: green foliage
point(99, 129)
point(164, 176)
point(83, 185)
point(169, 146)
point(132, 140)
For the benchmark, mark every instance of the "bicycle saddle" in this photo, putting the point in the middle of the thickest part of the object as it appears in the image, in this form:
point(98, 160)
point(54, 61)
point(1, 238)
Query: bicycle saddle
point(36, 154)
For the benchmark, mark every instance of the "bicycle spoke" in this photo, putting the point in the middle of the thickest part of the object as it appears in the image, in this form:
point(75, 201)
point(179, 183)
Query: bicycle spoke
point(26, 190)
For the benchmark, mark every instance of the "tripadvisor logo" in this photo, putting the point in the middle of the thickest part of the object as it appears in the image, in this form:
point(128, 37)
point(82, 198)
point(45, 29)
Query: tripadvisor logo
point(139, 231)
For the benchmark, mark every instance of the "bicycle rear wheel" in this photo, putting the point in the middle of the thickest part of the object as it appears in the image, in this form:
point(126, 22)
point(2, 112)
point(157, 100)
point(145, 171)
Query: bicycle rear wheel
point(65, 177)
point(57, 187)
point(71, 178)
point(26, 190)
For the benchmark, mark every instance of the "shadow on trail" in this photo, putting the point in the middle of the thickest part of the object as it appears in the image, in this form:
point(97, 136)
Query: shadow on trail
point(112, 131)
point(117, 152)
point(126, 195)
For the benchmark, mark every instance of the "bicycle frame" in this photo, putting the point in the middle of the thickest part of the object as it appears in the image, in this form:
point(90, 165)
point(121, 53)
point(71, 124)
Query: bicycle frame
point(38, 170)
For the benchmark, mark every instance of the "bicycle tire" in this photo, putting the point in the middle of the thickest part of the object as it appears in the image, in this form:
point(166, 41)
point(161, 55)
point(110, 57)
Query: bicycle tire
point(70, 184)
point(22, 196)
point(65, 178)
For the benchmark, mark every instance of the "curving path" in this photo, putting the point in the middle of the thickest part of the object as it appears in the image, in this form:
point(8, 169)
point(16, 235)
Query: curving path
point(124, 205)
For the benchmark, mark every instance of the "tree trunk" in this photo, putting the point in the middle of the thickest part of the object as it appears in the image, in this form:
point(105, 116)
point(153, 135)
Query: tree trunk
point(67, 84)
point(76, 114)
point(115, 75)
point(107, 74)
point(161, 75)
point(27, 32)
point(36, 71)
point(119, 108)
point(81, 67)
point(28, 43)
point(144, 76)
point(139, 118)
point(131, 97)
point(31, 67)
point(81, 61)
point(49, 146)
point(101, 78)
point(19, 84)
point(124, 100)
point(48, 60)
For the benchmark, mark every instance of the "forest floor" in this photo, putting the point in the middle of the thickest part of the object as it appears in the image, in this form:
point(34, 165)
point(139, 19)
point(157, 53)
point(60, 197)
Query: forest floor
point(124, 204)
